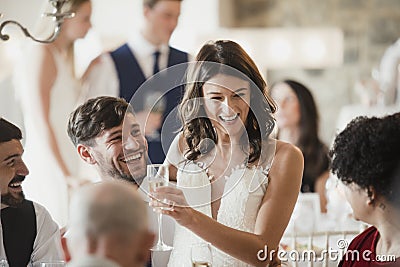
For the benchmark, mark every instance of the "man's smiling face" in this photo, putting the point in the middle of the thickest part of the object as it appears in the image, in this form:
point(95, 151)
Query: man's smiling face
point(121, 152)
point(12, 173)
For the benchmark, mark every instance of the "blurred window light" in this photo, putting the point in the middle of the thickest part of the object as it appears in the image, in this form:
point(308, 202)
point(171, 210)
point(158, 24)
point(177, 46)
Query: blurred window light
point(277, 48)
point(314, 50)
point(280, 50)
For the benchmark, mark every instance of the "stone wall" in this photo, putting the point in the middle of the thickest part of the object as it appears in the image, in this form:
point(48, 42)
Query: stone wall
point(369, 27)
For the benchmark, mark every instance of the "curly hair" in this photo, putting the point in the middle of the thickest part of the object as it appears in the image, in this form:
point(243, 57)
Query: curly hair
point(94, 116)
point(229, 58)
point(366, 153)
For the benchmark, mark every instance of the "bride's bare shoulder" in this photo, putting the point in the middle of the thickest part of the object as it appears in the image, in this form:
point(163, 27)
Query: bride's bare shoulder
point(286, 155)
point(278, 152)
point(182, 145)
point(284, 147)
point(177, 149)
point(284, 150)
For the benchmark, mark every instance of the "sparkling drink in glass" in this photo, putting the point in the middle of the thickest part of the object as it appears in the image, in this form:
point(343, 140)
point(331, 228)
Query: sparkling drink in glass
point(158, 175)
point(201, 255)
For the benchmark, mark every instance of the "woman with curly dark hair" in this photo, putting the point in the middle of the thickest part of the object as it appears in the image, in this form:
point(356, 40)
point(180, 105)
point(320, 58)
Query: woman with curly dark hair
point(240, 184)
point(366, 159)
point(297, 119)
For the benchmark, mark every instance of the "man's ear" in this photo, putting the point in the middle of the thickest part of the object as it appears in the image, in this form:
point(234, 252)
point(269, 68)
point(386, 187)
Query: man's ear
point(146, 144)
point(84, 153)
point(146, 11)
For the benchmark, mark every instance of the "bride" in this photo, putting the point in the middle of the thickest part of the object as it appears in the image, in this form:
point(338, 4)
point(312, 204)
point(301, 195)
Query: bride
point(236, 185)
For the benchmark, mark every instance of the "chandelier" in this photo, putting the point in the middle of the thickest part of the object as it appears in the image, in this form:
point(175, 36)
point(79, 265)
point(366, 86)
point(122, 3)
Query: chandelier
point(57, 15)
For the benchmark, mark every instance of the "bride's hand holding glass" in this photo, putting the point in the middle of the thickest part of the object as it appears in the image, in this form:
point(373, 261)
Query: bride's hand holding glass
point(158, 176)
point(175, 198)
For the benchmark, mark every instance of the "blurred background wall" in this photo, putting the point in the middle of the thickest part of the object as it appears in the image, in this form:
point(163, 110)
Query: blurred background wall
point(368, 26)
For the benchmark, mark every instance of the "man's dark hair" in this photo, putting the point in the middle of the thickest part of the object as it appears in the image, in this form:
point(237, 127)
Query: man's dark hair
point(94, 116)
point(9, 131)
point(366, 153)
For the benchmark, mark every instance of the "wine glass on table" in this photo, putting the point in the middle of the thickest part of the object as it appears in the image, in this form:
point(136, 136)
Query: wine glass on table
point(201, 255)
point(158, 175)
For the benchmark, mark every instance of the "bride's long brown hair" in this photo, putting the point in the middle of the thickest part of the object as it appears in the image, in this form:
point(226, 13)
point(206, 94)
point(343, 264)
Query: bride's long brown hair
point(229, 58)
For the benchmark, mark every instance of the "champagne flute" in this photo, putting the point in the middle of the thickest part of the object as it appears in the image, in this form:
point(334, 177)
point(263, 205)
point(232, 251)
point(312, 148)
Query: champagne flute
point(201, 255)
point(158, 176)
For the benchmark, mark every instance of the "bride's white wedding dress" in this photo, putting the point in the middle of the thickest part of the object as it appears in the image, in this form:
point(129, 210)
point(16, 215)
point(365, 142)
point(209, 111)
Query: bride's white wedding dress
point(240, 203)
point(46, 184)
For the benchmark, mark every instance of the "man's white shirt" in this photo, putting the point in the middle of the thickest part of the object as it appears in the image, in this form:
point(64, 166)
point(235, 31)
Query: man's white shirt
point(47, 245)
point(103, 78)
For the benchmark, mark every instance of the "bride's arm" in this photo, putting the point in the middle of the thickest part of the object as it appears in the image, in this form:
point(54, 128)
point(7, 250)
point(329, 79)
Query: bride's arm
point(42, 84)
point(272, 219)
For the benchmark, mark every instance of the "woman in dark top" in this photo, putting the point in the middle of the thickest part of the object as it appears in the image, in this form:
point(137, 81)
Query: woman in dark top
point(297, 120)
point(366, 159)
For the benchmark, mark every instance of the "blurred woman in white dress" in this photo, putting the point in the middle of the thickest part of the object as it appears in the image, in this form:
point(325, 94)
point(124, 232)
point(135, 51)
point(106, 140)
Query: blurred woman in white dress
point(236, 185)
point(49, 91)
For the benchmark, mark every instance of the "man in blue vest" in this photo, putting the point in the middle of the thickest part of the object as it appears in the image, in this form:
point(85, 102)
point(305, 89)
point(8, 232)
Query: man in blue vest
point(123, 71)
point(28, 235)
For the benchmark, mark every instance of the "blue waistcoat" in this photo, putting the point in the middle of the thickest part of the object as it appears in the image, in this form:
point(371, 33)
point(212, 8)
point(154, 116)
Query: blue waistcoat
point(131, 78)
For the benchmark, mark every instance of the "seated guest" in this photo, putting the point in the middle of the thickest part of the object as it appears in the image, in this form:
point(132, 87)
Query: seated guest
point(297, 119)
point(28, 234)
point(366, 159)
point(108, 226)
point(107, 135)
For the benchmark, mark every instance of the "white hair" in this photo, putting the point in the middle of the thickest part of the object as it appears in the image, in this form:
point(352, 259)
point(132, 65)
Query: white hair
point(106, 208)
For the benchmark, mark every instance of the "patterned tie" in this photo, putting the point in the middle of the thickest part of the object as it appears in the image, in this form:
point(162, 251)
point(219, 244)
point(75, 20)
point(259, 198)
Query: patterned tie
point(156, 68)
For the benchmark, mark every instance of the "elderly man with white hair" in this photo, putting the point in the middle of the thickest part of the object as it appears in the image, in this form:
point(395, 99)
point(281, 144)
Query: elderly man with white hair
point(108, 226)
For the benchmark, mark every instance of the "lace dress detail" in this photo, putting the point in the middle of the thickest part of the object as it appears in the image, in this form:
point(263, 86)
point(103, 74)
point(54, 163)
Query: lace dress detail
point(240, 203)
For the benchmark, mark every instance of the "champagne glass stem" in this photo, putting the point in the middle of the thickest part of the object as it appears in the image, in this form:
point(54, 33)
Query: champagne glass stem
point(160, 241)
point(158, 177)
